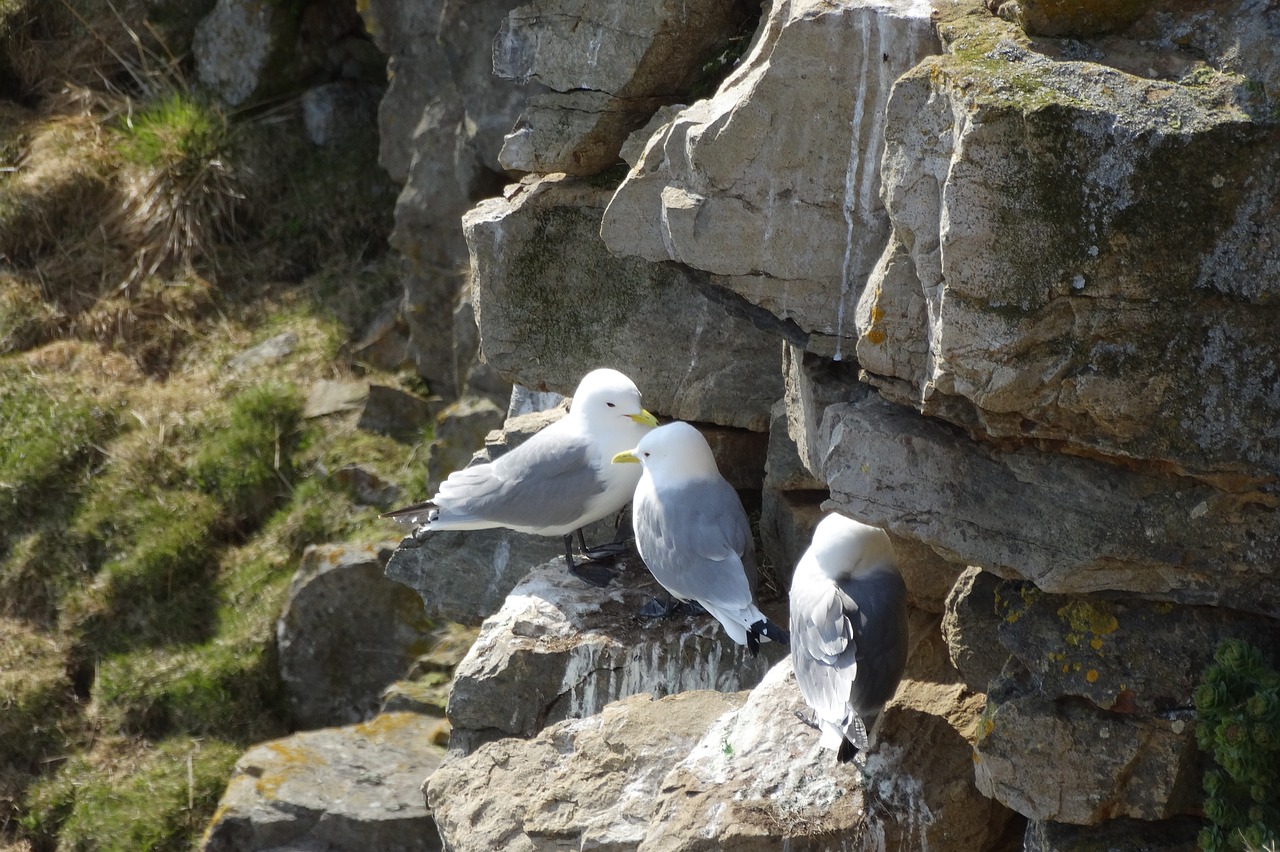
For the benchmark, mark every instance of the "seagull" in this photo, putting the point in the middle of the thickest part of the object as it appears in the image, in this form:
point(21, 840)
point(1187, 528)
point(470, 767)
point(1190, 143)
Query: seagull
point(849, 630)
point(693, 534)
point(556, 482)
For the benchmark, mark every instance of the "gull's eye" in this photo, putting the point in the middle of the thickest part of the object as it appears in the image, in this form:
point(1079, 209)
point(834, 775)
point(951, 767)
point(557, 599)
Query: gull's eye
point(646, 455)
point(610, 404)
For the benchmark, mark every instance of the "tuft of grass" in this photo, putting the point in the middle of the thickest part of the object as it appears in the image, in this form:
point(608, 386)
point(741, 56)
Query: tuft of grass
point(248, 466)
point(26, 320)
point(157, 589)
point(50, 434)
point(38, 697)
point(129, 795)
point(181, 187)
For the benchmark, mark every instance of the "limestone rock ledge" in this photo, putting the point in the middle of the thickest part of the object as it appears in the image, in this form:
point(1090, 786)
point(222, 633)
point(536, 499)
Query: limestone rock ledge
point(346, 789)
point(560, 649)
point(703, 770)
point(553, 303)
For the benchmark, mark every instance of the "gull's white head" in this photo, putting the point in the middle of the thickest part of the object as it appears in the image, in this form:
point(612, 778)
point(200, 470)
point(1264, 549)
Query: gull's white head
point(603, 396)
point(673, 452)
point(844, 547)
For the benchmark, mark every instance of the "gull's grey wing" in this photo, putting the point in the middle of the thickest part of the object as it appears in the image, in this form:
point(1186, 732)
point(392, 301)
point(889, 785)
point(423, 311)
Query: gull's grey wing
point(545, 482)
point(880, 630)
point(823, 650)
point(698, 542)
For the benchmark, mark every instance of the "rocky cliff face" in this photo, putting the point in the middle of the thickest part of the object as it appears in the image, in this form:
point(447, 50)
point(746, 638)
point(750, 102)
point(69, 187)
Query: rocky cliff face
point(1005, 283)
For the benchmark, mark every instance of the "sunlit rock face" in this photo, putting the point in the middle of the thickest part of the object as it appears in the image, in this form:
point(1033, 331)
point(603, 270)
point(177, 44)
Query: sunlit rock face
point(773, 184)
point(609, 66)
point(1087, 257)
point(559, 649)
point(553, 303)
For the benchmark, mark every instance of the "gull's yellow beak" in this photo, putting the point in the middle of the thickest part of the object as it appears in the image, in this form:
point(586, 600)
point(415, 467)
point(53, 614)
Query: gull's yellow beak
point(627, 455)
point(644, 418)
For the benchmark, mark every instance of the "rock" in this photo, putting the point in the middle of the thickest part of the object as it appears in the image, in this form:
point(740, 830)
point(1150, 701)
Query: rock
point(339, 592)
point(784, 469)
point(1129, 656)
point(399, 414)
point(465, 576)
point(582, 783)
point(1133, 835)
point(633, 148)
point(812, 385)
point(577, 133)
point(739, 454)
point(925, 742)
point(1057, 309)
point(247, 50)
point(610, 67)
point(385, 342)
point(759, 781)
point(1066, 761)
point(233, 45)
point(560, 649)
point(553, 303)
point(335, 112)
point(441, 125)
point(270, 351)
point(970, 628)
point(928, 576)
point(784, 212)
point(460, 430)
point(338, 789)
point(1046, 747)
point(1059, 19)
point(327, 396)
point(1068, 524)
point(1234, 37)
point(366, 487)
point(787, 519)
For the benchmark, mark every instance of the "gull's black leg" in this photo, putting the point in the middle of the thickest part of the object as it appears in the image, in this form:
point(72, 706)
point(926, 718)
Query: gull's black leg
point(588, 572)
point(615, 548)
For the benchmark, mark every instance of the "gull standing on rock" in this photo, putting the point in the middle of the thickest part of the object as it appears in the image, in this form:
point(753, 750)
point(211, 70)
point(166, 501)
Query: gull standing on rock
point(849, 630)
point(556, 482)
point(693, 534)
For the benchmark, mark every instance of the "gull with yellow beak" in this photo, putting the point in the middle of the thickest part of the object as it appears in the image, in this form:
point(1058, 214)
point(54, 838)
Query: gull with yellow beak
point(693, 534)
point(556, 482)
point(849, 630)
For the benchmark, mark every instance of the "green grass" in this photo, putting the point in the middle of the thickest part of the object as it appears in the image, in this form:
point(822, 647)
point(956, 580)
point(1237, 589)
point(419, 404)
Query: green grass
point(50, 435)
point(248, 466)
point(133, 796)
point(176, 130)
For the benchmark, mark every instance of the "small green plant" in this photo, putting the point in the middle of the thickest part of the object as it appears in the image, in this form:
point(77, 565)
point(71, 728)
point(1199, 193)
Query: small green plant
point(181, 188)
point(248, 466)
point(1238, 711)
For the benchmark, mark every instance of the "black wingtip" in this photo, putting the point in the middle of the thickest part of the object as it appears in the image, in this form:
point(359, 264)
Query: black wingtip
point(846, 752)
point(407, 513)
point(753, 641)
point(768, 630)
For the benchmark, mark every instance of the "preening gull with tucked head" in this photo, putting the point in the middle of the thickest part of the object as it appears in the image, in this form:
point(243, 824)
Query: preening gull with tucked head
point(848, 630)
point(693, 534)
point(556, 482)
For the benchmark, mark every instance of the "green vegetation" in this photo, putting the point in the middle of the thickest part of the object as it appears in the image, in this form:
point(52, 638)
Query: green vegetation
point(155, 500)
point(125, 797)
point(1238, 710)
